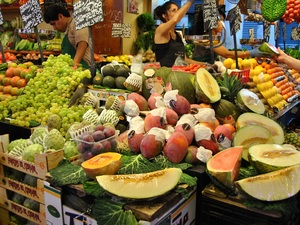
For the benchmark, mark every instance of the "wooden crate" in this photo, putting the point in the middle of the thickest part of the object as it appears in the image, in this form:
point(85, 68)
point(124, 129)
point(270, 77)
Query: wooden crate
point(4, 218)
point(42, 162)
point(37, 217)
point(35, 193)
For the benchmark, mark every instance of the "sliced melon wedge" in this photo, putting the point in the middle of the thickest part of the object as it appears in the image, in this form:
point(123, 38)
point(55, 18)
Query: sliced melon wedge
point(271, 157)
point(273, 186)
point(141, 186)
point(225, 165)
point(250, 135)
point(207, 87)
point(254, 118)
point(249, 101)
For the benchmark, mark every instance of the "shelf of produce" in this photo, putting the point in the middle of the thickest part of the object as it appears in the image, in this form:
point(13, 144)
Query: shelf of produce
point(284, 111)
point(36, 52)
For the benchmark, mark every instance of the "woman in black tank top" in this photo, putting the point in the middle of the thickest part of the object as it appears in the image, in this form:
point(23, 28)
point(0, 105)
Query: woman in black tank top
point(168, 44)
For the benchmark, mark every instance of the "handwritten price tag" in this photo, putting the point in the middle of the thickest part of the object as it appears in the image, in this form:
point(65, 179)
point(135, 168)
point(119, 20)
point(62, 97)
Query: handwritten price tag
point(31, 13)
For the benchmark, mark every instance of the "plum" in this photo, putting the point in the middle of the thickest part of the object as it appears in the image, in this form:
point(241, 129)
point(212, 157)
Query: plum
point(99, 135)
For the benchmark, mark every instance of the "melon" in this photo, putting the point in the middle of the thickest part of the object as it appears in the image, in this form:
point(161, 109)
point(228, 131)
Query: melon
point(224, 166)
point(225, 108)
point(254, 118)
point(248, 101)
point(141, 186)
point(271, 157)
point(102, 164)
point(184, 83)
point(250, 135)
point(273, 186)
point(206, 87)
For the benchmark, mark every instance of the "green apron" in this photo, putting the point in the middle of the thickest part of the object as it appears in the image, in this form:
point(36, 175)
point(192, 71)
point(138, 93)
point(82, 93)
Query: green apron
point(68, 48)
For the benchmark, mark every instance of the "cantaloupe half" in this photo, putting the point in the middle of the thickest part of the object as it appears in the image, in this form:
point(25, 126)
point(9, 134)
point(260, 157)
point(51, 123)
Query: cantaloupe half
point(141, 186)
point(224, 166)
point(254, 118)
point(250, 135)
point(206, 87)
point(273, 186)
point(271, 157)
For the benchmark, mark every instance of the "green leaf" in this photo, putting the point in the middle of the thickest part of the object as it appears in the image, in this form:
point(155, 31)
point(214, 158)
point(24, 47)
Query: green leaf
point(107, 212)
point(136, 164)
point(93, 188)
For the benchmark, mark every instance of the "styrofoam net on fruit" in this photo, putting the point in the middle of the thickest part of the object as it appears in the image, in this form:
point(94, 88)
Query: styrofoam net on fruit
point(89, 99)
point(91, 116)
point(116, 104)
point(135, 80)
point(109, 116)
point(18, 150)
point(77, 131)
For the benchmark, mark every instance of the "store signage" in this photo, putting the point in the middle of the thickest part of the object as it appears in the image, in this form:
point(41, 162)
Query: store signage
point(295, 33)
point(31, 13)
point(87, 13)
point(267, 30)
point(235, 19)
point(277, 30)
point(1, 17)
point(284, 31)
point(210, 14)
point(121, 30)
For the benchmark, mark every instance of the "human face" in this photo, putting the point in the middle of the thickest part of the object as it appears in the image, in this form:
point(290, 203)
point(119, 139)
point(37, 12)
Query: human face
point(220, 28)
point(170, 13)
point(59, 24)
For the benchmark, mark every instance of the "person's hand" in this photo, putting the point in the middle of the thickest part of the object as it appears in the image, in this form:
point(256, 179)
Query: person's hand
point(257, 53)
point(77, 95)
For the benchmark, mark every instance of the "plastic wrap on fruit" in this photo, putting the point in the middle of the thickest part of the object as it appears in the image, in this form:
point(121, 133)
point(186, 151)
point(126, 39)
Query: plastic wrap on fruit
point(135, 133)
point(204, 154)
point(205, 115)
point(131, 108)
point(177, 102)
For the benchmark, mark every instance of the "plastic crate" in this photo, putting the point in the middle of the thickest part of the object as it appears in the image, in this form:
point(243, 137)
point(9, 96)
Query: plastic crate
point(225, 211)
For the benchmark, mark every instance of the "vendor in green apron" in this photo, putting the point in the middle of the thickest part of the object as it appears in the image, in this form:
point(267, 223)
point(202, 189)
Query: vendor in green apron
point(75, 42)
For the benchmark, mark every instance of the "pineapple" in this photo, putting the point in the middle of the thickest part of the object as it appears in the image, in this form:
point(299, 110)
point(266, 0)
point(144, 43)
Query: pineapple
point(229, 86)
point(292, 138)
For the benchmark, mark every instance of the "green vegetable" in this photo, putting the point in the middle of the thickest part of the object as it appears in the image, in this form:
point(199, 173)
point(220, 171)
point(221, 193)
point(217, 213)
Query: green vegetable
point(17, 143)
point(30, 180)
point(93, 188)
point(30, 151)
point(145, 22)
point(32, 204)
point(18, 198)
point(107, 212)
point(67, 173)
point(70, 149)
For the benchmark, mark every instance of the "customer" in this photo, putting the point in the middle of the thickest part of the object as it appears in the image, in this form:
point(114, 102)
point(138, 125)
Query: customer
point(168, 44)
point(75, 42)
point(292, 62)
point(202, 53)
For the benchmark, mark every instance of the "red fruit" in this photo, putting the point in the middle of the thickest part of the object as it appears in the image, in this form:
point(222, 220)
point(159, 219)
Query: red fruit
point(14, 81)
point(153, 143)
point(209, 144)
point(171, 116)
point(152, 100)
point(181, 105)
point(134, 141)
point(187, 131)
point(223, 136)
point(139, 100)
point(176, 147)
point(204, 137)
point(21, 83)
point(155, 118)
point(10, 72)
point(191, 155)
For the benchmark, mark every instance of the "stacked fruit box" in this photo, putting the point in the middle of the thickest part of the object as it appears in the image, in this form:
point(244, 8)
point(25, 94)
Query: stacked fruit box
point(22, 183)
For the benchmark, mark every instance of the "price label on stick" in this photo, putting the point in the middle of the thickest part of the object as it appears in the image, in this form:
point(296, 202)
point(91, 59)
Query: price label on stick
point(31, 13)
point(210, 13)
point(235, 19)
point(87, 13)
point(1, 17)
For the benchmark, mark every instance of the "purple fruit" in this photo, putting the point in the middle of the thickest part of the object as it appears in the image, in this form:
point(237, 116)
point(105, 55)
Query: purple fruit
point(106, 146)
point(98, 135)
point(109, 131)
point(97, 148)
point(113, 144)
point(99, 127)
point(80, 148)
point(87, 155)
point(88, 140)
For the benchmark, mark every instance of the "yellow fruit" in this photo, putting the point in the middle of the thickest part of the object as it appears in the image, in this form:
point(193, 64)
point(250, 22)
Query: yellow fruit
point(246, 64)
point(228, 62)
point(240, 60)
point(233, 66)
point(253, 61)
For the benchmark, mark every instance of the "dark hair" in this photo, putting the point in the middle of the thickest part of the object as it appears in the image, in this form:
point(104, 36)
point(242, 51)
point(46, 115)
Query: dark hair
point(162, 9)
point(51, 11)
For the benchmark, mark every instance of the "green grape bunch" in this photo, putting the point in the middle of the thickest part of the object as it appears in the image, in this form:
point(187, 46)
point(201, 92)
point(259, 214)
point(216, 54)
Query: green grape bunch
point(47, 93)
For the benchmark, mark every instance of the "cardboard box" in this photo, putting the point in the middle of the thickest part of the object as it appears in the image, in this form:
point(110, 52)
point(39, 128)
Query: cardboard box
point(73, 217)
point(103, 94)
point(53, 205)
point(42, 162)
point(37, 217)
point(4, 218)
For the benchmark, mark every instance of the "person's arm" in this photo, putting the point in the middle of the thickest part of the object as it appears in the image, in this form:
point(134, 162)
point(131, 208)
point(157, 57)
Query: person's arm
point(224, 52)
point(80, 51)
point(288, 60)
point(163, 29)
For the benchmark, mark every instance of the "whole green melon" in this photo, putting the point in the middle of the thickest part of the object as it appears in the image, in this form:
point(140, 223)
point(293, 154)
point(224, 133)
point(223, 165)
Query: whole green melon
point(184, 83)
point(98, 79)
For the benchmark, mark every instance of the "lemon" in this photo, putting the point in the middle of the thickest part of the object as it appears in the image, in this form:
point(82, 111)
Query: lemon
point(233, 66)
point(253, 61)
point(246, 64)
point(228, 62)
